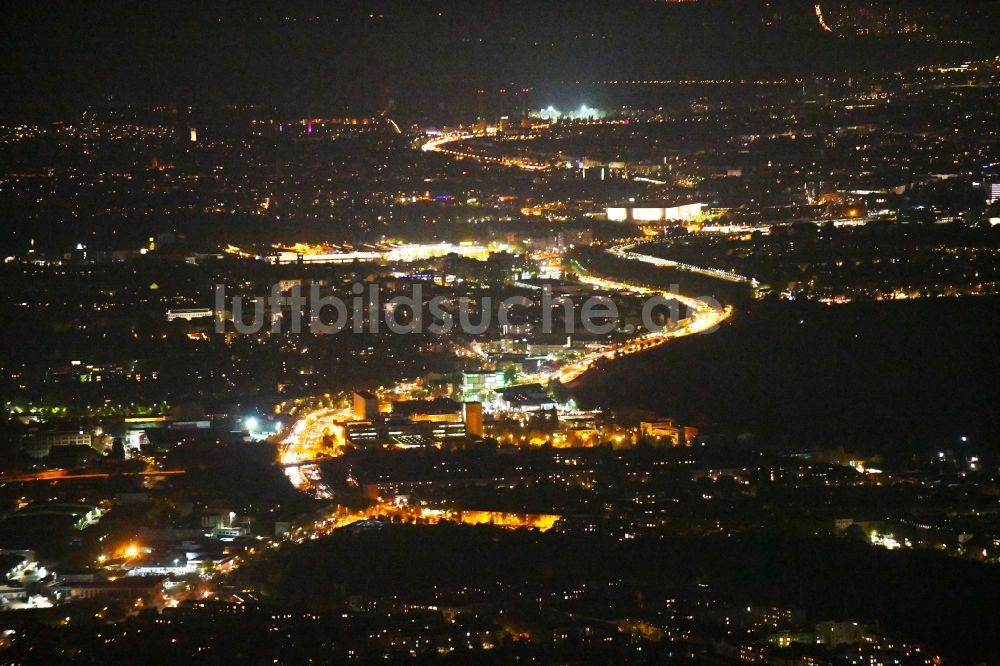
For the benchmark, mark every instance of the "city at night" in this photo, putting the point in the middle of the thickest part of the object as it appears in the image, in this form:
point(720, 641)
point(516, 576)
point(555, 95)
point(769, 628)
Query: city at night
point(440, 332)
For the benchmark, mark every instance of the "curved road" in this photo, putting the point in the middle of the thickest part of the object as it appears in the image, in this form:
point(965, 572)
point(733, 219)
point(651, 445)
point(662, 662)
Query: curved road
point(320, 434)
point(625, 252)
point(705, 317)
point(441, 144)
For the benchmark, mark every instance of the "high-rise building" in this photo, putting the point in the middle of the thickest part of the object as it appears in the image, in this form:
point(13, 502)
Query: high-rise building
point(994, 193)
point(481, 383)
point(362, 434)
point(365, 406)
point(472, 414)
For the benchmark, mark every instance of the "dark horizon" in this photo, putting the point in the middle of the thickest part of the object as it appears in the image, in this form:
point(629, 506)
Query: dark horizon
point(422, 59)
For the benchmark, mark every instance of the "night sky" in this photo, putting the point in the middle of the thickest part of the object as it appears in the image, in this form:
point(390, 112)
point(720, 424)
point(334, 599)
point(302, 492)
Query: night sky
point(416, 57)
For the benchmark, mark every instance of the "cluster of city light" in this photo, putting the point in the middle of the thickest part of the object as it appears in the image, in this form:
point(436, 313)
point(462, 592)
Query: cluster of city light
point(326, 254)
point(423, 514)
point(887, 541)
point(552, 114)
point(321, 433)
point(238, 252)
point(700, 82)
point(403, 512)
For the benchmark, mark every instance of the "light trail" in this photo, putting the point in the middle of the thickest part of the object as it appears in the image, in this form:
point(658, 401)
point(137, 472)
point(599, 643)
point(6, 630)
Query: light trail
point(306, 442)
point(437, 145)
point(423, 515)
point(625, 252)
point(822, 21)
point(705, 317)
point(63, 475)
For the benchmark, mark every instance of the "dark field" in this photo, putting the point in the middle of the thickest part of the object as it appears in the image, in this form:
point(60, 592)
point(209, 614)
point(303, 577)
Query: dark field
point(880, 377)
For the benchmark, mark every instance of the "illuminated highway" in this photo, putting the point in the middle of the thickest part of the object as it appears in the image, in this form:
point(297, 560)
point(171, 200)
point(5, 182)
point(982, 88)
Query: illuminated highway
point(822, 20)
point(704, 317)
point(63, 475)
point(308, 442)
point(321, 434)
point(625, 252)
point(317, 435)
point(441, 144)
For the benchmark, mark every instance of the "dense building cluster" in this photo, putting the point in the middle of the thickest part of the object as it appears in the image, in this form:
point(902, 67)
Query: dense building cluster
point(492, 359)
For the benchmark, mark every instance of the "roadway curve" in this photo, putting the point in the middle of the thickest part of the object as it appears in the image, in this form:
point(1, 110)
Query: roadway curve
point(320, 434)
point(306, 442)
point(625, 252)
point(445, 144)
point(704, 318)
